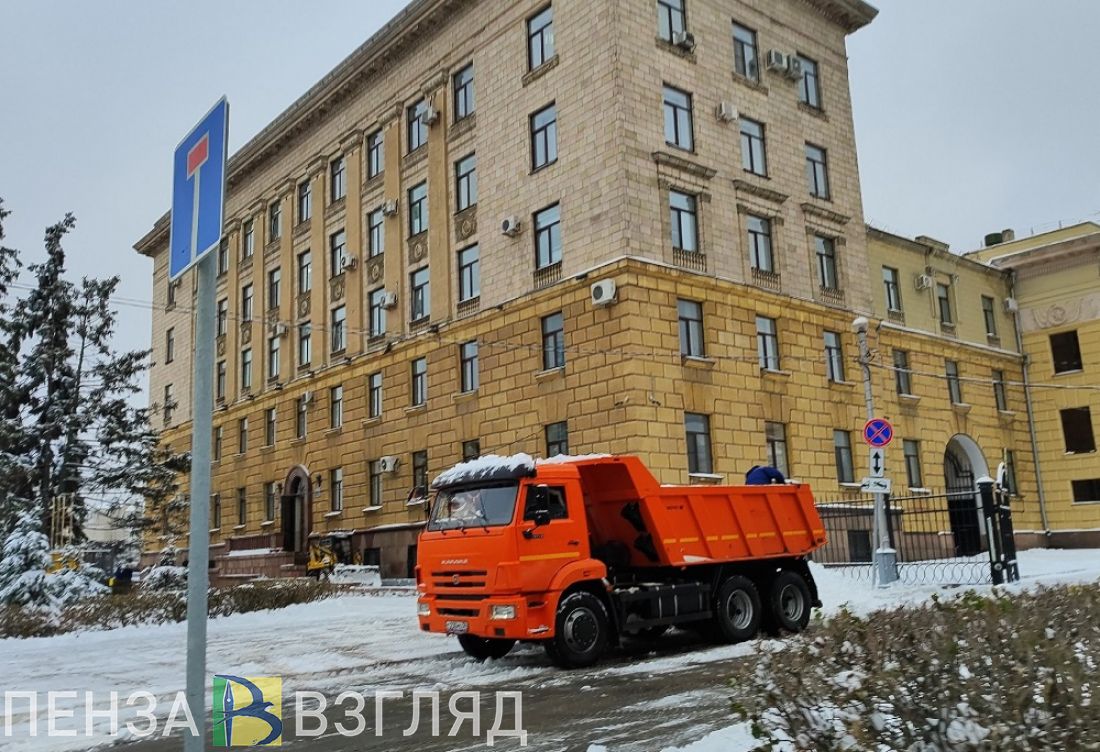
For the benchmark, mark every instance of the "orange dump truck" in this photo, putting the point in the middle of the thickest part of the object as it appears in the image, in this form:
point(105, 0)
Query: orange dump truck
point(579, 552)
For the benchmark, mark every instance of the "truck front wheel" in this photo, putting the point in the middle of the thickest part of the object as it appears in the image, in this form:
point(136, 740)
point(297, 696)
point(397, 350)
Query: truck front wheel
point(789, 602)
point(737, 610)
point(482, 648)
point(582, 631)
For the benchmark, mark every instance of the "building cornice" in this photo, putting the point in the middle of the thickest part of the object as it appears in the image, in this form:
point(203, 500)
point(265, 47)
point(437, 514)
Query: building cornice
point(851, 15)
point(1083, 248)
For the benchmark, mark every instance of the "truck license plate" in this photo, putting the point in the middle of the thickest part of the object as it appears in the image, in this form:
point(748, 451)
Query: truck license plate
point(457, 627)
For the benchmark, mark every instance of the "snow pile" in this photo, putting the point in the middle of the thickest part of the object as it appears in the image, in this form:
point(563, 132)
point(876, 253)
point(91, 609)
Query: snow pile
point(357, 574)
point(24, 577)
point(164, 577)
point(563, 459)
point(487, 468)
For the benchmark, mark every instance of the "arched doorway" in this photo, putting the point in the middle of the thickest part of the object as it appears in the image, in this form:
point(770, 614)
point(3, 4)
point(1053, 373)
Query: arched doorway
point(297, 511)
point(963, 464)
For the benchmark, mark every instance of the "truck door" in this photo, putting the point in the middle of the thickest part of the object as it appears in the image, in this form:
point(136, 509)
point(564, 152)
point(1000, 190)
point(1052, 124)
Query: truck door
point(552, 532)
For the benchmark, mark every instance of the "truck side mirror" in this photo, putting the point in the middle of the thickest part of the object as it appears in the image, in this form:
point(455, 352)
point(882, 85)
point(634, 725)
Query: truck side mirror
point(541, 517)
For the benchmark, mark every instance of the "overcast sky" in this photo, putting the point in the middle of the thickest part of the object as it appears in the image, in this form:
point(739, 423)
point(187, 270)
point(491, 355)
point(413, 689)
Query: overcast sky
point(970, 116)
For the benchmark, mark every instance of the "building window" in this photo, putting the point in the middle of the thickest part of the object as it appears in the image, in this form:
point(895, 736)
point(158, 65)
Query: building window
point(269, 501)
point(219, 437)
point(691, 328)
point(825, 250)
point(246, 303)
point(376, 233)
point(809, 88)
point(337, 179)
point(697, 432)
point(471, 450)
point(169, 403)
point(1010, 473)
point(246, 368)
point(754, 157)
point(891, 284)
point(220, 380)
point(223, 256)
point(377, 312)
point(270, 426)
point(301, 417)
point(469, 273)
point(418, 209)
point(421, 295)
point(745, 57)
point(466, 182)
point(223, 317)
point(305, 272)
point(338, 252)
point(859, 545)
point(842, 450)
point(305, 344)
point(274, 288)
point(834, 357)
point(375, 486)
point(170, 345)
point(1065, 351)
point(557, 439)
point(817, 171)
point(274, 221)
point(684, 221)
point(417, 128)
point(553, 341)
point(548, 237)
point(1086, 490)
point(464, 92)
point(903, 376)
point(242, 435)
point(336, 406)
point(374, 395)
point(540, 37)
point(376, 155)
point(305, 201)
point(242, 506)
point(467, 355)
point(989, 316)
point(943, 300)
point(171, 290)
point(248, 239)
point(1077, 430)
point(760, 243)
point(679, 129)
point(339, 329)
point(767, 343)
point(913, 474)
point(1000, 396)
point(670, 18)
point(544, 137)
point(274, 349)
point(336, 488)
point(954, 386)
point(775, 435)
point(419, 386)
point(420, 474)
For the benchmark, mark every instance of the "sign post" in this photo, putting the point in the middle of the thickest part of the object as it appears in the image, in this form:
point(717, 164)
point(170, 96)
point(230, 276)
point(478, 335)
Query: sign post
point(198, 205)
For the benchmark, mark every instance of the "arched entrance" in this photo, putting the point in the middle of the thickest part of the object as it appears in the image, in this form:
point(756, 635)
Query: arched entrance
point(297, 511)
point(963, 464)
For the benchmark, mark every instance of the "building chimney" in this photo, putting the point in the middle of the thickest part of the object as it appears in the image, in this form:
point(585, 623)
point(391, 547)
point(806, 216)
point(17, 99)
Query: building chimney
point(1007, 236)
point(994, 238)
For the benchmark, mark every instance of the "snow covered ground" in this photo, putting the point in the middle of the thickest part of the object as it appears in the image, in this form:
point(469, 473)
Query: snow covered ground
point(367, 642)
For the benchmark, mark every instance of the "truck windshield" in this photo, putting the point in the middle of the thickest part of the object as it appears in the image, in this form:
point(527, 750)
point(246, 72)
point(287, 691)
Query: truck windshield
point(483, 506)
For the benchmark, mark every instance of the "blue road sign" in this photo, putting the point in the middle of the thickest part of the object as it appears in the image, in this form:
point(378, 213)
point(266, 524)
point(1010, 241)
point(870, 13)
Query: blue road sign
point(198, 190)
point(878, 432)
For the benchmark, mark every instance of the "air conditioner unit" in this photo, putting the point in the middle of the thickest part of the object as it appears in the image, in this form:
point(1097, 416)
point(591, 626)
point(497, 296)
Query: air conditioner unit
point(924, 281)
point(510, 226)
point(1012, 305)
point(776, 61)
point(388, 464)
point(389, 208)
point(726, 112)
point(279, 329)
point(685, 40)
point(430, 116)
point(349, 263)
point(794, 67)
point(603, 292)
point(389, 299)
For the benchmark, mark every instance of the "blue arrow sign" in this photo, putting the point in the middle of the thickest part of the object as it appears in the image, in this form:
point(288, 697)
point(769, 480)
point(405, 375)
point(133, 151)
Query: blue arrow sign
point(878, 432)
point(198, 190)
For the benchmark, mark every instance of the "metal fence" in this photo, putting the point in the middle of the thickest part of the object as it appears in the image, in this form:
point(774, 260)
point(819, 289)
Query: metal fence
point(940, 538)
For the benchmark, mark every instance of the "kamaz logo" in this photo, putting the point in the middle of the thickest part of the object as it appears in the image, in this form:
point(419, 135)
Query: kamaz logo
point(456, 561)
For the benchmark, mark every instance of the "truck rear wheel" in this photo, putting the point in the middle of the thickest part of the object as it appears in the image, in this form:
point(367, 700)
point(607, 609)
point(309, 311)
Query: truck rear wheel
point(581, 633)
point(789, 602)
point(482, 648)
point(737, 610)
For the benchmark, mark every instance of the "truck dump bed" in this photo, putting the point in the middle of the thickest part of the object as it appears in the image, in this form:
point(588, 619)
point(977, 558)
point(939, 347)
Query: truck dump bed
point(628, 511)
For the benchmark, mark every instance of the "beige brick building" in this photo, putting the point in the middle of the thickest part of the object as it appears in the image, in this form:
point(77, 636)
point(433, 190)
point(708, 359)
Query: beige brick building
point(414, 251)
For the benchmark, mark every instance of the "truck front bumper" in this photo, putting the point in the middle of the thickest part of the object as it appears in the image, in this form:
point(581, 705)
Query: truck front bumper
point(500, 617)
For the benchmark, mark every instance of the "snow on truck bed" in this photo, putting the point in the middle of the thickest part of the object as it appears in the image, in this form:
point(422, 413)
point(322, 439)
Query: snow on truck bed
point(497, 467)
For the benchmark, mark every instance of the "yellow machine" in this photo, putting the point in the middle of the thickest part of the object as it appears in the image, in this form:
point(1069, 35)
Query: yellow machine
point(328, 551)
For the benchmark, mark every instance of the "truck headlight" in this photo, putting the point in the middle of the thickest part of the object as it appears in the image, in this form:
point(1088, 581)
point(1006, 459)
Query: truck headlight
point(502, 613)
point(423, 609)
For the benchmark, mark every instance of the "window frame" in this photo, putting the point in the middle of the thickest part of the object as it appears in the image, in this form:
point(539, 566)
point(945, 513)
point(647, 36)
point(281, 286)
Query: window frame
point(1075, 365)
point(336, 407)
point(903, 372)
point(746, 52)
point(544, 33)
point(842, 455)
point(376, 233)
point(1000, 392)
point(828, 265)
point(418, 209)
point(468, 367)
point(954, 382)
point(376, 154)
point(944, 307)
point(817, 171)
point(544, 137)
point(462, 88)
point(683, 221)
point(420, 300)
point(668, 13)
point(336, 489)
point(700, 449)
point(1083, 435)
point(305, 201)
point(271, 425)
point(339, 331)
point(305, 344)
point(553, 341)
point(679, 118)
point(301, 417)
point(548, 243)
point(834, 357)
point(338, 179)
point(305, 272)
point(989, 316)
point(274, 221)
point(416, 130)
point(246, 369)
point(689, 314)
point(754, 147)
point(914, 472)
point(777, 446)
point(274, 288)
point(891, 282)
point(418, 385)
point(809, 86)
point(337, 252)
point(375, 395)
point(466, 182)
point(557, 438)
point(274, 356)
point(761, 243)
point(767, 343)
point(377, 311)
point(469, 273)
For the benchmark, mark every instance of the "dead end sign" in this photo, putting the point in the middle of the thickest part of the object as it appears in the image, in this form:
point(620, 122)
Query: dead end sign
point(878, 432)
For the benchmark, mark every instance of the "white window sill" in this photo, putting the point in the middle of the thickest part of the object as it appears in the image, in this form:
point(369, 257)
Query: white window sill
point(267, 523)
point(851, 486)
point(697, 361)
point(416, 502)
point(920, 491)
point(416, 408)
point(708, 478)
point(550, 373)
point(238, 528)
point(330, 515)
point(368, 510)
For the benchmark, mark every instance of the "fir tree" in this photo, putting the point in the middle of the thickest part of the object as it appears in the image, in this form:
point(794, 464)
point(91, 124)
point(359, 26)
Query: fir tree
point(14, 477)
point(25, 559)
